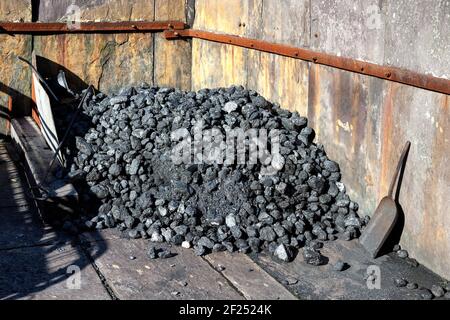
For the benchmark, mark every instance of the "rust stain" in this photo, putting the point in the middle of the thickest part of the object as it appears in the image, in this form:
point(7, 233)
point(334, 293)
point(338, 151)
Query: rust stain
point(434, 237)
point(62, 49)
point(359, 114)
point(386, 140)
point(368, 179)
point(8, 116)
point(233, 64)
point(356, 115)
point(336, 97)
point(34, 111)
point(314, 92)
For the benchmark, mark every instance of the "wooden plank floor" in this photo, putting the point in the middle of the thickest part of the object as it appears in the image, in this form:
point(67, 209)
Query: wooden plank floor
point(35, 259)
point(132, 275)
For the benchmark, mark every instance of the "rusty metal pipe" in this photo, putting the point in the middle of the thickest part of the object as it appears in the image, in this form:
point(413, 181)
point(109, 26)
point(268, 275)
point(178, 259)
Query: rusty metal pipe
point(88, 27)
point(395, 74)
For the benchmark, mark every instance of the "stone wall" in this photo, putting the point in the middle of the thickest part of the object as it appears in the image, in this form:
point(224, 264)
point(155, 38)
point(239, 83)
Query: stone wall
point(14, 74)
point(108, 61)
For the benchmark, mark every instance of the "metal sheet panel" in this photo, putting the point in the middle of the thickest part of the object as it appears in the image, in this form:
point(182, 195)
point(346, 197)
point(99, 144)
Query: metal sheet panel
point(47, 123)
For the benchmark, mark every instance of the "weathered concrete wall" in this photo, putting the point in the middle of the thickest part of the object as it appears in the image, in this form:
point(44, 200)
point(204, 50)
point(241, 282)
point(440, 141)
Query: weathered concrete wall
point(13, 73)
point(411, 34)
point(172, 63)
point(110, 61)
point(368, 120)
point(362, 121)
point(284, 80)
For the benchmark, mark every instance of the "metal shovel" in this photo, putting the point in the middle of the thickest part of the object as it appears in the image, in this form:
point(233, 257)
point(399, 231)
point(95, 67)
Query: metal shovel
point(386, 215)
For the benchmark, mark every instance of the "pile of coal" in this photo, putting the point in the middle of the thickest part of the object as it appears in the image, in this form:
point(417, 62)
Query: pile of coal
point(121, 160)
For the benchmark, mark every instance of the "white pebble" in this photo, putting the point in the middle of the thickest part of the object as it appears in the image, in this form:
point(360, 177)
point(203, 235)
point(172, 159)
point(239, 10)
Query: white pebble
point(186, 244)
point(230, 107)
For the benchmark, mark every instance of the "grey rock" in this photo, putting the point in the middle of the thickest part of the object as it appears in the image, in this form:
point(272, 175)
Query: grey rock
point(284, 253)
point(199, 250)
point(230, 220)
point(412, 286)
point(339, 266)
point(83, 146)
point(313, 257)
point(206, 242)
point(400, 282)
point(403, 254)
point(230, 107)
point(115, 170)
point(267, 234)
point(152, 253)
point(426, 294)
point(100, 191)
point(437, 291)
point(165, 254)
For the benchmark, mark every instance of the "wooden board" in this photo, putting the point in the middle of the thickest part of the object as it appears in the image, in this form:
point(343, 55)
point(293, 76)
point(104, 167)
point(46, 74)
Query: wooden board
point(161, 279)
point(217, 65)
point(42, 273)
point(363, 123)
point(249, 278)
point(20, 223)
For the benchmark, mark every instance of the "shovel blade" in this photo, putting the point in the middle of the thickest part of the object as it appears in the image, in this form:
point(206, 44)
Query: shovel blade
point(380, 226)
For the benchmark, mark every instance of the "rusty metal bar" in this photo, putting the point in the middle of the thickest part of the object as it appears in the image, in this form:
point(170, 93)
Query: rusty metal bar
point(395, 74)
point(89, 27)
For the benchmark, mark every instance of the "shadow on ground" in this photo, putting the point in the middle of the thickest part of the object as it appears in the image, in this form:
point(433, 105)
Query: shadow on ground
point(37, 259)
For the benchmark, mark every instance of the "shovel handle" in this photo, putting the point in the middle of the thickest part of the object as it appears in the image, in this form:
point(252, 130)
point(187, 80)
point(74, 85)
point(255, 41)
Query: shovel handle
point(400, 164)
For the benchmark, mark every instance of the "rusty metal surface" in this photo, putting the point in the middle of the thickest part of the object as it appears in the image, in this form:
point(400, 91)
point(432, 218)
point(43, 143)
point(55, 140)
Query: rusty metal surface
point(88, 27)
point(383, 72)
